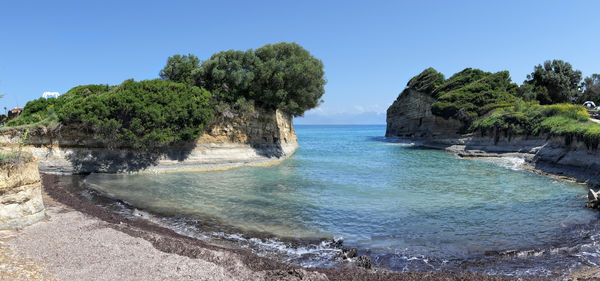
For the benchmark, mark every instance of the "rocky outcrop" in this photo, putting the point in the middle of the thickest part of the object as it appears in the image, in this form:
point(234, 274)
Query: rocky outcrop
point(258, 137)
point(410, 117)
point(20, 196)
point(551, 155)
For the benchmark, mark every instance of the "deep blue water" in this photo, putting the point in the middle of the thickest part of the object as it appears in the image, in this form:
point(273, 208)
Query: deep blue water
point(407, 208)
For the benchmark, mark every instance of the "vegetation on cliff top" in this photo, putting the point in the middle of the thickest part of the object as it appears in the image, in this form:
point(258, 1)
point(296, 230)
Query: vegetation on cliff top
point(490, 102)
point(142, 115)
point(281, 76)
point(149, 114)
point(529, 118)
point(477, 98)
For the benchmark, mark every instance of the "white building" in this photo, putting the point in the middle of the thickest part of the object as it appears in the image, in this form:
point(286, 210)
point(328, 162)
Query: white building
point(50, 95)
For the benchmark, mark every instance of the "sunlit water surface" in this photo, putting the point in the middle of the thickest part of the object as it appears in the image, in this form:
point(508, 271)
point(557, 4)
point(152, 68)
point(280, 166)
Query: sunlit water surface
point(407, 208)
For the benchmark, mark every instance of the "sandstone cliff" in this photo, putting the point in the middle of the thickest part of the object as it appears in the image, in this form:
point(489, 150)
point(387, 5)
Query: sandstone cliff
point(231, 140)
point(410, 117)
point(20, 196)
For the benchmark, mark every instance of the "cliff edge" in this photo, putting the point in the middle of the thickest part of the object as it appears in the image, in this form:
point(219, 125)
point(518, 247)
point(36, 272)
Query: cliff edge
point(259, 137)
point(410, 117)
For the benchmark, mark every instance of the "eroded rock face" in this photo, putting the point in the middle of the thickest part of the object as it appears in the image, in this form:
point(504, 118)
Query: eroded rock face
point(20, 196)
point(410, 116)
point(231, 140)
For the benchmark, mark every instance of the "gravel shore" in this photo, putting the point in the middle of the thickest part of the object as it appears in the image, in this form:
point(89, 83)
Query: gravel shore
point(80, 241)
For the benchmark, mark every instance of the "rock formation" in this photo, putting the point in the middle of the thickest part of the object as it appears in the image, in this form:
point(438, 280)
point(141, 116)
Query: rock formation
point(20, 196)
point(231, 140)
point(410, 117)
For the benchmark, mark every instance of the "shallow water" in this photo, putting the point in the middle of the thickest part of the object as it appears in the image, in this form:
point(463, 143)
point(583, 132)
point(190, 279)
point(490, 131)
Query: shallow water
point(408, 208)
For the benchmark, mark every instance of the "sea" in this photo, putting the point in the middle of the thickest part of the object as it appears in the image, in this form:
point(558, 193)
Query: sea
point(406, 207)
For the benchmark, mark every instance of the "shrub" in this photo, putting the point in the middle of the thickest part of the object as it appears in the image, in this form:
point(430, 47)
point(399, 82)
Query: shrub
point(144, 115)
point(477, 98)
point(459, 80)
point(36, 111)
point(570, 121)
point(427, 81)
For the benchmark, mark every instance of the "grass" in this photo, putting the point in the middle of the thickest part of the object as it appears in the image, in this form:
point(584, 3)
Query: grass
point(13, 158)
point(566, 120)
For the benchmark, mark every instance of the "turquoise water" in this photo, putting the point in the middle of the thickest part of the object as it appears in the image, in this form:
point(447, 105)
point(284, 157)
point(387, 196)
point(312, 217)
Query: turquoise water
point(406, 207)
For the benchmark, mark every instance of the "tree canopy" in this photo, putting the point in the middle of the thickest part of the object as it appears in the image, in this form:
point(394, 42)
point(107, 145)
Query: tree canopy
point(179, 68)
point(590, 88)
point(275, 76)
point(554, 82)
point(228, 74)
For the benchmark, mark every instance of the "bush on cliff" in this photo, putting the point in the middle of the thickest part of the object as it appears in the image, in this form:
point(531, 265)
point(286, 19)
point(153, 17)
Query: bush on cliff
point(143, 115)
point(477, 98)
point(427, 81)
point(37, 111)
point(459, 80)
point(530, 118)
point(44, 112)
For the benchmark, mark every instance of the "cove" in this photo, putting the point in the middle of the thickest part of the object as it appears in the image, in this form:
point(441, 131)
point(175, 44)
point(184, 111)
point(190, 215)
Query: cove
point(407, 208)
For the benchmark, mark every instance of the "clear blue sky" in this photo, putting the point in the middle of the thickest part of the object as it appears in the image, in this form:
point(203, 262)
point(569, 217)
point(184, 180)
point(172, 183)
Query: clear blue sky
point(370, 48)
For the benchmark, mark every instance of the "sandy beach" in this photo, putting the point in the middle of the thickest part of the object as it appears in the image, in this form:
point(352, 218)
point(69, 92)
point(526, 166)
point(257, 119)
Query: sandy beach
point(80, 241)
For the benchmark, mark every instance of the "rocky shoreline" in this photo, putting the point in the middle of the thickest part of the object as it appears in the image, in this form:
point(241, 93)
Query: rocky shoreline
point(546, 156)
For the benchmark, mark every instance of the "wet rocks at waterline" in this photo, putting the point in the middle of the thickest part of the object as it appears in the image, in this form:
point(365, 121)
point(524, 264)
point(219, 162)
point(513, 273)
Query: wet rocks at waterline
point(593, 199)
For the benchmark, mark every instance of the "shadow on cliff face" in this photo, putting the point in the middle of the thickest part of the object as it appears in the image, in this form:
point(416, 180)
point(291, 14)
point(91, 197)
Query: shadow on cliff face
point(124, 160)
point(270, 145)
point(270, 150)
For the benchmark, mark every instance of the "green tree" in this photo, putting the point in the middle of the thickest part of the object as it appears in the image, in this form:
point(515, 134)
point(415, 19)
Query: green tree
point(275, 76)
point(554, 82)
point(179, 68)
point(228, 74)
point(590, 88)
point(288, 77)
point(526, 92)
